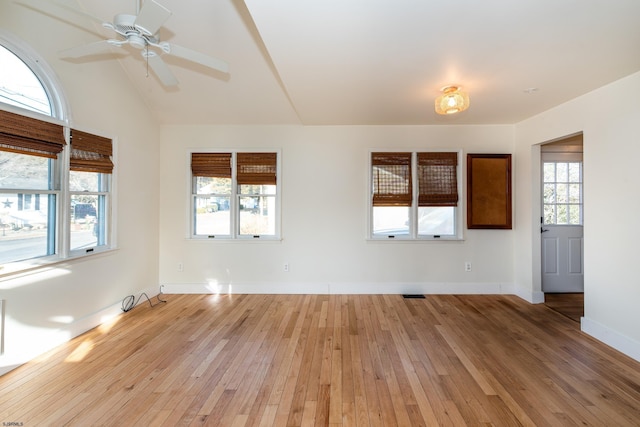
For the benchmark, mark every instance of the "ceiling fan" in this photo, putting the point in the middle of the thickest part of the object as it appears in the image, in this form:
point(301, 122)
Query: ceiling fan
point(140, 31)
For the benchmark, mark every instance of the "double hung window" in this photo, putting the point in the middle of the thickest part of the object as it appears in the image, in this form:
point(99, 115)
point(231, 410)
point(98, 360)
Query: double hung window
point(29, 186)
point(235, 195)
point(35, 192)
point(90, 169)
point(414, 195)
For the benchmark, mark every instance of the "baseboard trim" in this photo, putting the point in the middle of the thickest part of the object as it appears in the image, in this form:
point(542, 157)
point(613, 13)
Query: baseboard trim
point(610, 337)
point(340, 288)
point(533, 297)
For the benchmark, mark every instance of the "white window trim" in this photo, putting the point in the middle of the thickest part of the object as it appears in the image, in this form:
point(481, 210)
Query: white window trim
point(234, 236)
point(413, 236)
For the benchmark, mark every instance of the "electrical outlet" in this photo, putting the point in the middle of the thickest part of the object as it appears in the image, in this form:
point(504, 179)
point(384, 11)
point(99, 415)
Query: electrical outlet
point(467, 266)
point(285, 267)
point(180, 267)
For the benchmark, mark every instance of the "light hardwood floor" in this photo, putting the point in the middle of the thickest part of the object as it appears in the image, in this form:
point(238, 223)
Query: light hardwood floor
point(366, 360)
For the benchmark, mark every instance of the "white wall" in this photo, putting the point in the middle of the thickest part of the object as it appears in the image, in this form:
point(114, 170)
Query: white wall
point(610, 120)
point(324, 217)
point(48, 307)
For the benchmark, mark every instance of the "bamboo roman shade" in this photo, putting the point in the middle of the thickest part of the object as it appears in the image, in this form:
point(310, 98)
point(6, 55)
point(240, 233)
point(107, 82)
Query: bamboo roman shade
point(437, 179)
point(25, 135)
point(213, 165)
point(256, 168)
point(391, 176)
point(90, 153)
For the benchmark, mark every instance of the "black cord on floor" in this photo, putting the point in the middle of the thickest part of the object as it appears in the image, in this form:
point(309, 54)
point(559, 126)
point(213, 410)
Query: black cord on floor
point(130, 302)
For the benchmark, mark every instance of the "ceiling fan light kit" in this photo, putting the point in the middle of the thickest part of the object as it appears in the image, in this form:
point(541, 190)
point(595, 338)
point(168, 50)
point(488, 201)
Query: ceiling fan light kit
point(141, 32)
point(453, 100)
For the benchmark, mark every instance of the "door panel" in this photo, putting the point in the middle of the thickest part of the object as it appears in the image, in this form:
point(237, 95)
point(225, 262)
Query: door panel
point(575, 255)
point(562, 266)
point(550, 255)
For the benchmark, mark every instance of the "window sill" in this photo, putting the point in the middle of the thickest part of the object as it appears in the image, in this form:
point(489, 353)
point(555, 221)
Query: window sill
point(414, 240)
point(261, 239)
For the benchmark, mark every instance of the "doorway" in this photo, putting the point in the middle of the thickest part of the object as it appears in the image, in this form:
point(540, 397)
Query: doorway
point(561, 222)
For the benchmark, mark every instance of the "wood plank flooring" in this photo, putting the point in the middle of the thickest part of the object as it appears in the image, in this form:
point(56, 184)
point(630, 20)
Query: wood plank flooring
point(320, 360)
point(569, 304)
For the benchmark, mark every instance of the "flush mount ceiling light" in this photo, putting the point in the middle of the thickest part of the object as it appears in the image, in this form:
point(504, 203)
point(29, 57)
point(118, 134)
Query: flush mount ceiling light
point(453, 100)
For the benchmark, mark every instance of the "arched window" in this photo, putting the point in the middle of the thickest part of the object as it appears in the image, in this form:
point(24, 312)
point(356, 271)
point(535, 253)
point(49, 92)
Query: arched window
point(27, 82)
point(19, 86)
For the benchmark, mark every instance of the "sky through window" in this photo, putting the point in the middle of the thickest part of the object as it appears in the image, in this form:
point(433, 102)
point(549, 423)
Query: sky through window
point(19, 86)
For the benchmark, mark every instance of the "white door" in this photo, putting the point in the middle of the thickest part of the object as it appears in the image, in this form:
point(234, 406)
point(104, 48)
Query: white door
point(561, 227)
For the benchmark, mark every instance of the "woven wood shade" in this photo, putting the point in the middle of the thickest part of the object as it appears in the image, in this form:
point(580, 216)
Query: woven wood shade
point(437, 179)
point(256, 168)
point(25, 135)
point(90, 153)
point(213, 165)
point(391, 179)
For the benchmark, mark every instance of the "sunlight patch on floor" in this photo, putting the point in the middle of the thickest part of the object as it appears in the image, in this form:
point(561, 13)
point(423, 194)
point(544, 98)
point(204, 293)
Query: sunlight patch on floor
point(108, 322)
point(80, 352)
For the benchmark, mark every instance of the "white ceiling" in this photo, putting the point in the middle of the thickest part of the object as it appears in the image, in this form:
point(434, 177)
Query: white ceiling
point(362, 62)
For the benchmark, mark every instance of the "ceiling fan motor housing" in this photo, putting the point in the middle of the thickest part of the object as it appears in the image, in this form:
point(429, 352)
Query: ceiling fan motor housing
point(125, 25)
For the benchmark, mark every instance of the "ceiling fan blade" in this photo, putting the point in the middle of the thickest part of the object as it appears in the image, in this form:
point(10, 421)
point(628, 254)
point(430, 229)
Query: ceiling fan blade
point(193, 56)
point(160, 68)
point(102, 46)
point(151, 17)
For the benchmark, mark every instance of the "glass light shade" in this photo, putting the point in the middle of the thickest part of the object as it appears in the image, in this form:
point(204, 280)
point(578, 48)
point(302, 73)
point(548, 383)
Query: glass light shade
point(452, 101)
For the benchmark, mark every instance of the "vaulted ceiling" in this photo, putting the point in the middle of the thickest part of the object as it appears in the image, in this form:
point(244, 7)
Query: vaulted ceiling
point(363, 62)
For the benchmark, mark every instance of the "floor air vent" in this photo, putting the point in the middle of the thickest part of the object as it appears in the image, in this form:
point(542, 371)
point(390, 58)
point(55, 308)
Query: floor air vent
point(416, 296)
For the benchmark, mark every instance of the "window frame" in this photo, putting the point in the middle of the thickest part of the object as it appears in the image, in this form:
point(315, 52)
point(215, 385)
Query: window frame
point(56, 172)
point(93, 143)
point(413, 235)
point(234, 200)
point(564, 158)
